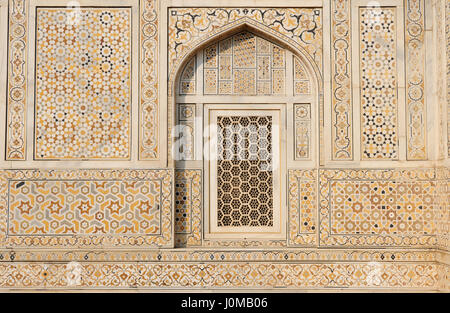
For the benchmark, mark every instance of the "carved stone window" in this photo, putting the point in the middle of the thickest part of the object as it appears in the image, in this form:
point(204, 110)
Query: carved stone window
point(245, 109)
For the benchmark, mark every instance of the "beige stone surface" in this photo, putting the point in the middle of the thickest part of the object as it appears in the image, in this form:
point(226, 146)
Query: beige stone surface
point(118, 171)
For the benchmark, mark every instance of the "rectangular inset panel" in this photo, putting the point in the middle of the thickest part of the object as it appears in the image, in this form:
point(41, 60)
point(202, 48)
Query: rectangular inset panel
point(415, 79)
point(278, 57)
point(377, 207)
point(244, 50)
point(263, 67)
point(188, 206)
point(188, 78)
point(17, 80)
point(302, 207)
point(244, 82)
point(378, 83)
point(301, 78)
point(149, 147)
point(245, 173)
point(83, 87)
point(278, 77)
point(210, 82)
point(341, 81)
point(185, 132)
point(210, 56)
point(225, 69)
point(302, 131)
point(67, 207)
point(86, 208)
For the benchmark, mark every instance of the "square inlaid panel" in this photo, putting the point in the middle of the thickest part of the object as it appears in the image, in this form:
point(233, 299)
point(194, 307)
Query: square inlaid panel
point(83, 87)
point(377, 207)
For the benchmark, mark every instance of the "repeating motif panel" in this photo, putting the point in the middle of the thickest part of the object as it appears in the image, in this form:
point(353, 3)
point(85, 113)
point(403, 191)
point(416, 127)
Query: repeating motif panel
point(447, 32)
point(244, 64)
point(415, 77)
point(377, 208)
point(188, 78)
point(378, 81)
point(185, 132)
point(83, 87)
point(341, 81)
point(85, 208)
point(188, 208)
point(302, 131)
point(223, 254)
point(302, 207)
point(148, 81)
point(442, 218)
point(423, 276)
point(17, 80)
point(81, 207)
point(302, 84)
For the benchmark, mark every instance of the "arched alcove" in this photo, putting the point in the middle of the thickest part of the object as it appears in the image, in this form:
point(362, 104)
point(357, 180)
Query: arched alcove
point(264, 31)
point(230, 90)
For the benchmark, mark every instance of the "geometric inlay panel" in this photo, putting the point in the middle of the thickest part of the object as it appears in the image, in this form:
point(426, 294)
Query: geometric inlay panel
point(302, 207)
point(415, 75)
point(381, 207)
point(377, 207)
point(188, 206)
point(41, 207)
point(244, 64)
point(185, 137)
point(245, 190)
point(378, 81)
point(90, 208)
point(188, 78)
point(83, 87)
point(301, 78)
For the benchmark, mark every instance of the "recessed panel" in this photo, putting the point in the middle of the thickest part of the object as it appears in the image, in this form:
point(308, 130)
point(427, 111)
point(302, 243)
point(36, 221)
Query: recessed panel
point(83, 87)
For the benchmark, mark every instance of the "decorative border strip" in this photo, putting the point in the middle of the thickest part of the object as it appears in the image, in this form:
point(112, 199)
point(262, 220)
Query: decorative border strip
point(296, 211)
point(341, 81)
point(84, 275)
point(416, 124)
point(443, 208)
point(17, 80)
point(439, 38)
point(444, 277)
point(148, 84)
point(164, 239)
point(326, 238)
point(218, 255)
point(447, 31)
point(194, 180)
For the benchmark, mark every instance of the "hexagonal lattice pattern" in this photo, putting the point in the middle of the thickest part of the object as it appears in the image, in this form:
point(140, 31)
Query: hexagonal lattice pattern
point(245, 178)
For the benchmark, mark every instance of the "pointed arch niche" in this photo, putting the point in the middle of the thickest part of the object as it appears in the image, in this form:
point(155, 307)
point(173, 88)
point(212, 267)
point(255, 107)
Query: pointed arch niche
point(246, 108)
